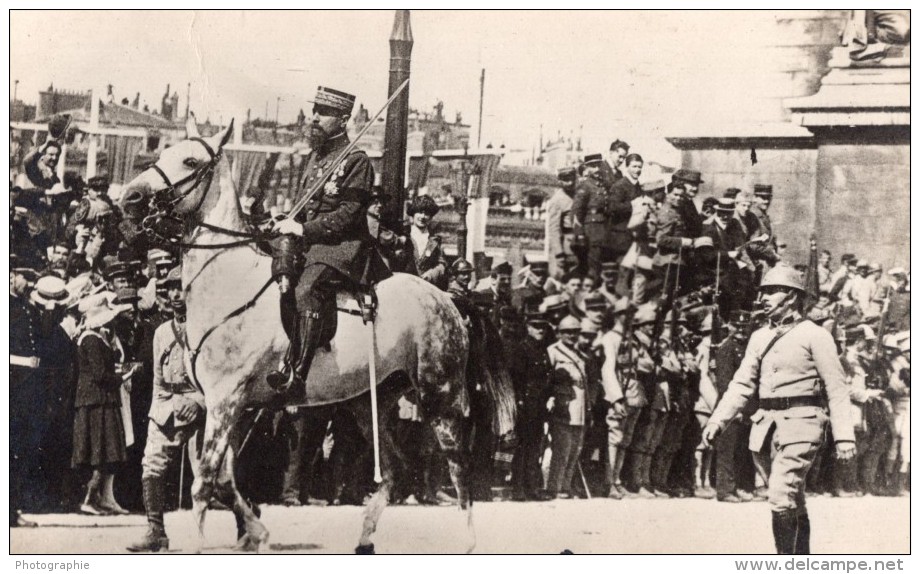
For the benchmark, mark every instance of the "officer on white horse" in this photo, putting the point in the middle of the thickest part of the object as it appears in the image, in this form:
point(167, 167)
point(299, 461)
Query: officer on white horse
point(327, 242)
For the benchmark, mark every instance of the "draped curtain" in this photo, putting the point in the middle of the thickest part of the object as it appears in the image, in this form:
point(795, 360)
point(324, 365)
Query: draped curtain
point(121, 153)
point(250, 165)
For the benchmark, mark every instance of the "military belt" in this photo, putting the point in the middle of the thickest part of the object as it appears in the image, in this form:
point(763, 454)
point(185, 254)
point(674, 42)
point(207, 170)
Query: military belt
point(20, 361)
point(783, 403)
point(596, 219)
point(179, 388)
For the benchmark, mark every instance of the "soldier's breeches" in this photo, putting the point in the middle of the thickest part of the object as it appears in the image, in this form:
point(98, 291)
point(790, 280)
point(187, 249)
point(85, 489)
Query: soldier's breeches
point(785, 472)
point(164, 447)
point(620, 430)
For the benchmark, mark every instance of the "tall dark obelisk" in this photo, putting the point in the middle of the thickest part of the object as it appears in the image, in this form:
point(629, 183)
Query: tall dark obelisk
point(397, 123)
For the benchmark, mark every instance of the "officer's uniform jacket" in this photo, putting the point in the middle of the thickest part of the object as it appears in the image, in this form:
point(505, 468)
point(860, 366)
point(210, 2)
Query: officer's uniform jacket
point(573, 390)
point(590, 209)
point(170, 378)
point(803, 362)
point(531, 373)
point(335, 231)
point(25, 331)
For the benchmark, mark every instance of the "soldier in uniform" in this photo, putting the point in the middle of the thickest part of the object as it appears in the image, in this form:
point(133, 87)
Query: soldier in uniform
point(792, 365)
point(330, 236)
point(461, 273)
point(593, 214)
point(734, 466)
point(34, 369)
point(650, 425)
point(622, 395)
point(531, 373)
point(177, 416)
point(572, 395)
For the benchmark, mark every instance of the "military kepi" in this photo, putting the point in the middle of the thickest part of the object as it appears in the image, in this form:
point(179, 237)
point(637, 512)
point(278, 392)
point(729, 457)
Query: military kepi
point(334, 99)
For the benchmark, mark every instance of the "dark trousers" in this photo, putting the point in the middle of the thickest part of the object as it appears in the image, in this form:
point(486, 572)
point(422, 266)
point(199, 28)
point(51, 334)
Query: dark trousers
point(526, 476)
point(877, 440)
point(598, 254)
point(482, 446)
point(28, 426)
point(304, 433)
point(567, 443)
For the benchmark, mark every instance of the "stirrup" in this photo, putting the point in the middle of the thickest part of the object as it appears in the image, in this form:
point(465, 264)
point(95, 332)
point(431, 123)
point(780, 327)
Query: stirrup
point(280, 381)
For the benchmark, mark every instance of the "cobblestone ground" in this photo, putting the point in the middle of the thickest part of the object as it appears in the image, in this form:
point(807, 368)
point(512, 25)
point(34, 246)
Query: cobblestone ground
point(846, 526)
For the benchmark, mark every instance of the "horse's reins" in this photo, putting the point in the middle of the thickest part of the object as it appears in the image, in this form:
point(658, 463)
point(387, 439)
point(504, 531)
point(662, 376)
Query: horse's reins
point(165, 201)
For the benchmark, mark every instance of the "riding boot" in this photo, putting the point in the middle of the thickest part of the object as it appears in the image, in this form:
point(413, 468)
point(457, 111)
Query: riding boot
point(785, 525)
point(300, 355)
point(803, 534)
point(155, 539)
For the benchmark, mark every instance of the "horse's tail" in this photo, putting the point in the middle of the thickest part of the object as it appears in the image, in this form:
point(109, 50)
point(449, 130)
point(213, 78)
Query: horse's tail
point(486, 367)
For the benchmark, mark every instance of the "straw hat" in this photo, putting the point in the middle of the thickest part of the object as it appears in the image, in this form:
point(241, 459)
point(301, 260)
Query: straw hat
point(99, 310)
point(50, 290)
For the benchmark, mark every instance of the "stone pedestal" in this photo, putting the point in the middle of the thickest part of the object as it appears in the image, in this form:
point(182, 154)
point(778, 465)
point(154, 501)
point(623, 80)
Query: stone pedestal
point(860, 118)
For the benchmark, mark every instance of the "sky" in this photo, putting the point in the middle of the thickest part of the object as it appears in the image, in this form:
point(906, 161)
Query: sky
point(638, 76)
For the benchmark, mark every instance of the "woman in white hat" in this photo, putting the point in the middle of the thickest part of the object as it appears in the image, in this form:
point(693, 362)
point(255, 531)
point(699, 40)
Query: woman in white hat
point(98, 430)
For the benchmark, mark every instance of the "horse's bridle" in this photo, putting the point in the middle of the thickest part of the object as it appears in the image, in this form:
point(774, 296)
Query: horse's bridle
point(164, 226)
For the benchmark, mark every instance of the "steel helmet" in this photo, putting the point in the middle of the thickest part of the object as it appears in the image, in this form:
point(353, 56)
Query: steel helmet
point(589, 326)
point(783, 276)
point(461, 266)
point(569, 323)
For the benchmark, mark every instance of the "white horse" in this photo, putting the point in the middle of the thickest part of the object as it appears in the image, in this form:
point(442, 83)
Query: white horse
point(235, 338)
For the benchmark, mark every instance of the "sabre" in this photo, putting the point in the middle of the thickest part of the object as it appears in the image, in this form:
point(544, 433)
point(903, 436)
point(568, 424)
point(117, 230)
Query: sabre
point(302, 202)
point(372, 366)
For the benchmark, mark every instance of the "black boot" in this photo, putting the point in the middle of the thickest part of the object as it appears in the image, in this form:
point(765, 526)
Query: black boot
point(785, 525)
point(155, 539)
point(803, 535)
point(300, 355)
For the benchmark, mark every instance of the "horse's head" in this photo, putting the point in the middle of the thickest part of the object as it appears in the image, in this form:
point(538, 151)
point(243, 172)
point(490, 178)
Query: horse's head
point(176, 185)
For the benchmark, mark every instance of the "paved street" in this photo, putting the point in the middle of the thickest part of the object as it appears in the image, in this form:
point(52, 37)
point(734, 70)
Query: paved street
point(856, 525)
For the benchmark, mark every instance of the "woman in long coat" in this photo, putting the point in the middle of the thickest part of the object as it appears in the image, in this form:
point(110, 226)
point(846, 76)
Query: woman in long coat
point(98, 429)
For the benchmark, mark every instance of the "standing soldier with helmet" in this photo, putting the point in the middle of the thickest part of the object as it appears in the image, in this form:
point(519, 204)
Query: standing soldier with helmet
point(793, 366)
point(176, 416)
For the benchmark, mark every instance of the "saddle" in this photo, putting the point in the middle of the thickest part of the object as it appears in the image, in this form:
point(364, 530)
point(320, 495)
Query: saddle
point(349, 298)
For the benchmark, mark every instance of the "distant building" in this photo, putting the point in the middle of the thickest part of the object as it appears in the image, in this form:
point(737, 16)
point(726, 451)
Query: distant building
point(21, 111)
point(428, 132)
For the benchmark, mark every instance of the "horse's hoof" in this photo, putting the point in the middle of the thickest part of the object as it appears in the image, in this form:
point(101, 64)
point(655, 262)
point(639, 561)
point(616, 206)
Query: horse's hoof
point(365, 549)
point(246, 544)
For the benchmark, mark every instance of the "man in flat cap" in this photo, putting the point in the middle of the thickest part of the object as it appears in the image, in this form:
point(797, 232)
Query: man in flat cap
point(559, 218)
point(690, 180)
point(329, 236)
point(728, 259)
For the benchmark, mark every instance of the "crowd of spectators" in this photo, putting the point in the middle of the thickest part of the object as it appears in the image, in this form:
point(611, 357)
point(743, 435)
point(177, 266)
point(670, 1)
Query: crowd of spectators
point(618, 349)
